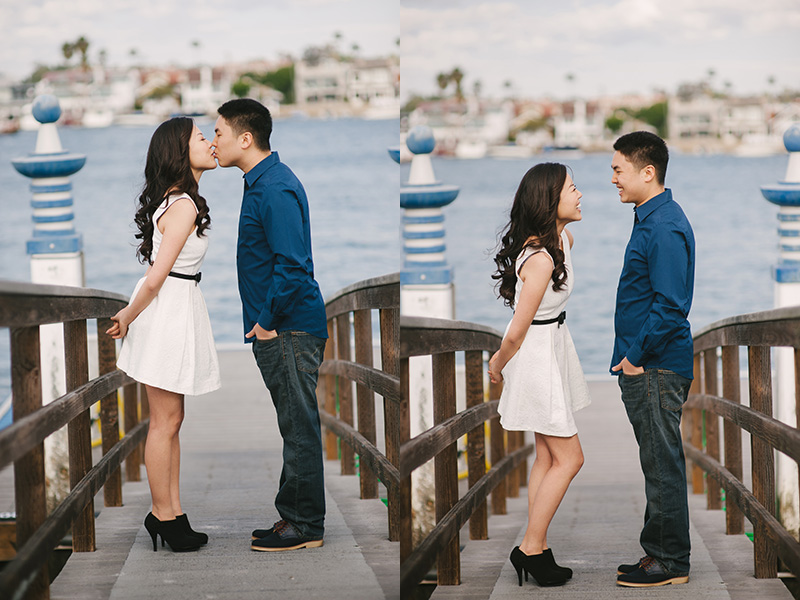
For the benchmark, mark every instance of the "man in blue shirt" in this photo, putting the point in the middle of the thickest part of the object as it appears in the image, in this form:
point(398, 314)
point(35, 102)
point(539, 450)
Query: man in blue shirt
point(284, 315)
point(653, 352)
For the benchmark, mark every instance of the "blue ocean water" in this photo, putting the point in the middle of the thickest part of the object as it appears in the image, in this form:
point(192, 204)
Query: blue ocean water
point(350, 179)
point(735, 231)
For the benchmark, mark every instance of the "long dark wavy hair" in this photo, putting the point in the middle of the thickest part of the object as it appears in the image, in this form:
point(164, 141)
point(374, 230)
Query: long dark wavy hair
point(167, 170)
point(532, 223)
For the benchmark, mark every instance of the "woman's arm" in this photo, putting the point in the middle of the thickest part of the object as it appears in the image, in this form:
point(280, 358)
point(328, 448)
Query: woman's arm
point(535, 275)
point(176, 225)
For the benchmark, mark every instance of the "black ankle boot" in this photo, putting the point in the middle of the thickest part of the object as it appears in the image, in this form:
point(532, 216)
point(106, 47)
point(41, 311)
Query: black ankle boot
point(537, 565)
point(171, 532)
point(184, 521)
point(566, 571)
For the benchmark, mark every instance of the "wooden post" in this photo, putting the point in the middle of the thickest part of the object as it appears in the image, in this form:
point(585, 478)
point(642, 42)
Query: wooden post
point(763, 462)
point(476, 443)
point(390, 356)
point(797, 397)
point(109, 411)
point(714, 499)
point(406, 539)
point(734, 519)
point(497, 452)
point(79, 431)
point(329, 396)
point(29, 483)
point(362, 326)
point(445, 463)
point(344, 387)
point(512, 489)
point(131, 420)
point(696, 435)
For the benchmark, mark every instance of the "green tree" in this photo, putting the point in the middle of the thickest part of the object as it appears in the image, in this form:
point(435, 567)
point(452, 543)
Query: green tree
point(240, 89)
point(68, 50)
point(442, 80)
point(614, 123)
point(457, 75)
point(82, 46)
point(281, 80)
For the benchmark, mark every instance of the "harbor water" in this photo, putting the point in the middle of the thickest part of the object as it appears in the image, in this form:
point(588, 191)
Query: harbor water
point(349, 177)
point(735, 231)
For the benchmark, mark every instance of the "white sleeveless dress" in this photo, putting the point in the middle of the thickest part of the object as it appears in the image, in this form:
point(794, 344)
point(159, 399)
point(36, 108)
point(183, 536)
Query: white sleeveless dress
point(543, 383)
point(170, 344)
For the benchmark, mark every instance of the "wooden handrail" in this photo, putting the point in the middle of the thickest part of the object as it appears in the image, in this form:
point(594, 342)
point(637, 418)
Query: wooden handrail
point(340, 370)
point(441, 339)
point(23, 308)
point(759, 332)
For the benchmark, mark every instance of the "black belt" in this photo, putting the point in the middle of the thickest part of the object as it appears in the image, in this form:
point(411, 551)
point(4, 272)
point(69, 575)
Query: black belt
point(559, 319)
point(195, 278)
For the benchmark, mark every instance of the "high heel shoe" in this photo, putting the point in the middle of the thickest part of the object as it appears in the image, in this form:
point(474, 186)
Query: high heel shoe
point(538, 566)
point(187, 529)
point(171, 532)
point(566, 571)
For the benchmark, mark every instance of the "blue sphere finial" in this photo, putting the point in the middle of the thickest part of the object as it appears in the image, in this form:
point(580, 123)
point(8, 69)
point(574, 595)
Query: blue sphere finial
point(791, 138)
point(420, 140)
point(46, 108)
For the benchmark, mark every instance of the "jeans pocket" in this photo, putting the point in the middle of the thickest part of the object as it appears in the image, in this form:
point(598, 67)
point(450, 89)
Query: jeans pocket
point(634, 388)
point(673, 390)
point(308, 351)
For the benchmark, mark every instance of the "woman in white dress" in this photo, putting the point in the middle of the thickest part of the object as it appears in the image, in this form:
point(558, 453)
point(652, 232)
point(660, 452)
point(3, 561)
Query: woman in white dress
point(167, 340)
point(543, 383)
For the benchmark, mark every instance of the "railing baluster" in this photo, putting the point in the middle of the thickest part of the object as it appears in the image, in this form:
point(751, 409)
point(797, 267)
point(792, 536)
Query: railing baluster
point(390, 355)
point(445, 463)
point(345, 391)
point(79, 431)
point(131, 419)
point(404, 503)
point(497, 452)
point(365, 397)
point(29, 482)
point(734, 519)
point(476, 442)
point(763, 463)
point(109, 411)
point(797, 401)
point(713, 499)
point(696, 432)
point(329, 396)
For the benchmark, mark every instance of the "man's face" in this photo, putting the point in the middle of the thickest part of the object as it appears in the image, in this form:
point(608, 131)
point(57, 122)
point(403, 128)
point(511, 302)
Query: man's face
point(227, 149)
point(629, 179)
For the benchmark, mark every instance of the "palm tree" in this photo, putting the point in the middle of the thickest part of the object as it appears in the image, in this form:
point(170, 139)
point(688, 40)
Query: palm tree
point(67, 50)
point(82, 46)
point(456, 75)
point(443, 80)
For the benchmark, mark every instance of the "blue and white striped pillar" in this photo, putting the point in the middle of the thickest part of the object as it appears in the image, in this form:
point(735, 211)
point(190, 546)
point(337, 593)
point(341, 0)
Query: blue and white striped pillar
point(56, 255)
point(56, 249)
point(786, 194)
point(426, 280)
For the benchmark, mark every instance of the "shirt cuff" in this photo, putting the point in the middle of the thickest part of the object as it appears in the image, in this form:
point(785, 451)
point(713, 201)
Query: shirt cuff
point(635, 356)
point(265, 319)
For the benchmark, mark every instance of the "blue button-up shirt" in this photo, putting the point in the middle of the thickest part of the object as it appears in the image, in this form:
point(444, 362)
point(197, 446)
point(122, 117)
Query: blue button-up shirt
point(655, 289)
point(273, 255)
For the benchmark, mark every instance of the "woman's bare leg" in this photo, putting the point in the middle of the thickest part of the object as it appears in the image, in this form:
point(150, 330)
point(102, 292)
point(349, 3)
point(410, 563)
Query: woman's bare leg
point(166, 416)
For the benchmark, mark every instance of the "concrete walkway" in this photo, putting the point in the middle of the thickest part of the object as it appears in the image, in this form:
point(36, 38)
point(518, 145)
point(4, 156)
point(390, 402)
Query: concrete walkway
point(597, 527)
point(231, 462)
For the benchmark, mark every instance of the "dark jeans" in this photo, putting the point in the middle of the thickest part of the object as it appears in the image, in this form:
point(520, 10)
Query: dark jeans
point(654, 401)
point(289, 365)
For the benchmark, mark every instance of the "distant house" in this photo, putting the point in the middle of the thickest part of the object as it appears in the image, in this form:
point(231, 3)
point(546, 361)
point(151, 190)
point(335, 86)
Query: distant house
point(204, 88)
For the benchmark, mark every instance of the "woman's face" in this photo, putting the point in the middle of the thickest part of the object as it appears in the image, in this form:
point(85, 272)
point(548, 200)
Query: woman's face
point(569, 207)
point(201, 155)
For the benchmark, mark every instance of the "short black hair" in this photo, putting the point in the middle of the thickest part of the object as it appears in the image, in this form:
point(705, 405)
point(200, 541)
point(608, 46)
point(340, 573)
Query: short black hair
point(246, 114)
point(643, 148)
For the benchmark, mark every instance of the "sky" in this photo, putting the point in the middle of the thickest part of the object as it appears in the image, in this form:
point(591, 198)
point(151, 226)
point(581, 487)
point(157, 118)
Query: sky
point(162, 31)
point(609, 46)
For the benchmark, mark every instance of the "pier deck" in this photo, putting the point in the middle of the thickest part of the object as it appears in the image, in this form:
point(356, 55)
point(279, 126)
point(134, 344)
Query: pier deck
point(231, 463)
point(597, 527)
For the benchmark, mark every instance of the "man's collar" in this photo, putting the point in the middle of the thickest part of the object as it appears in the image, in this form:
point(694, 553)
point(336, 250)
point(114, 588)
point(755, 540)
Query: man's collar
point(645, 209)
point(253, 174)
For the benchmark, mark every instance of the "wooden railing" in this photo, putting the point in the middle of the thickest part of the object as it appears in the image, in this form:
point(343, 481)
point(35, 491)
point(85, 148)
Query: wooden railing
point(758, 332)
point(348, 359)
point(23, 308)
point(441, 339)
